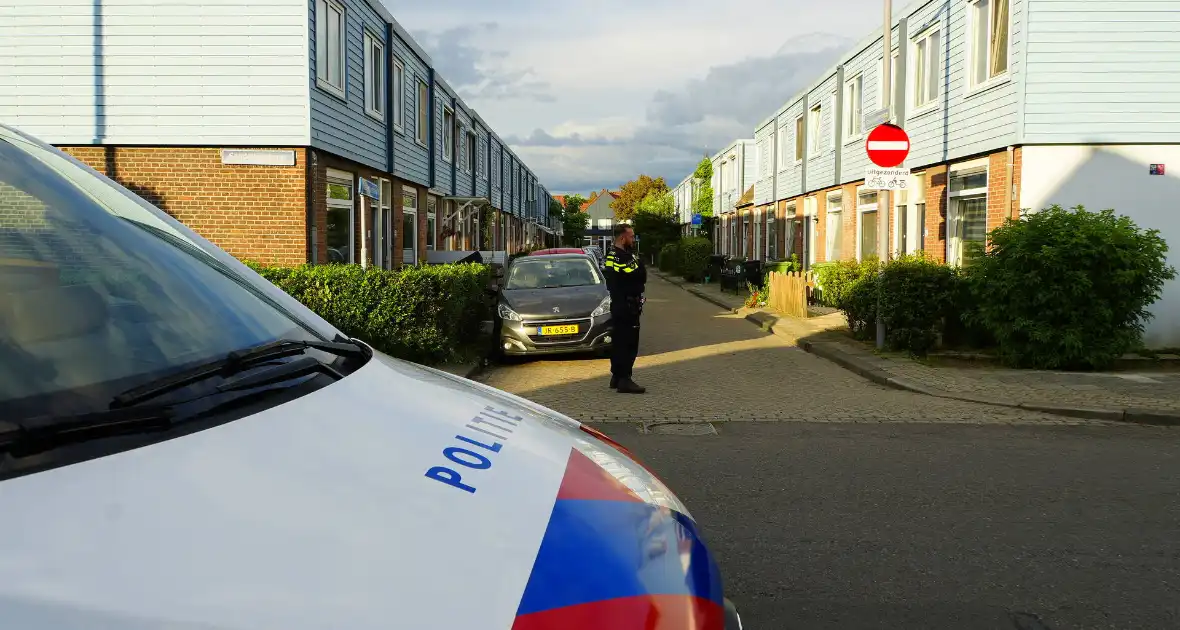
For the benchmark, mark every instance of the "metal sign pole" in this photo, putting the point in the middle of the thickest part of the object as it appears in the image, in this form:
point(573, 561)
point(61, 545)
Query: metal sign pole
point(883, 203)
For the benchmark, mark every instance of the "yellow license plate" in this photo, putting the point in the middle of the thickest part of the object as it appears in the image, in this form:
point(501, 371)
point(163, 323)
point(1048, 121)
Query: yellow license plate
point(559, 330)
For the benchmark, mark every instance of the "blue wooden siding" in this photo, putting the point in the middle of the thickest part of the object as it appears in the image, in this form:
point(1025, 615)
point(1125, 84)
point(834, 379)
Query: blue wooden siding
point(444, 99)
point(749, 168)
point(764, 168)
point(497, 170)
point(464, 181)
point(411, 161)
point(821, 163)
point(341, 125)
point(481, 157)
point(866, 64)
point(1102, 72)
point(790, 179)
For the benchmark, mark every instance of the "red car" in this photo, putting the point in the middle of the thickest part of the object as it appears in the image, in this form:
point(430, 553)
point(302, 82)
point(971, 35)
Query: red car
point(557, 250)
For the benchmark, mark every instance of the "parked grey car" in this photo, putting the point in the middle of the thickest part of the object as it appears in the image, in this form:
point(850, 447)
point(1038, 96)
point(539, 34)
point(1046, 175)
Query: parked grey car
point(553, 304)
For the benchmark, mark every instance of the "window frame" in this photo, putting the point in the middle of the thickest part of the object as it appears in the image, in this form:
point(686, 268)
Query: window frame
point(323, 50)
point(377, 57)
point(815, 114)
point(862, 210)
point(422, 109)
point(800, 138)
point(955, 197)
point(399, 95)
point(832, 237)
point(973, 83)
point(782, 162)
point(920, 72)
point(449, 136)
point(342, 178)
point(470, 150)
point(850, 117)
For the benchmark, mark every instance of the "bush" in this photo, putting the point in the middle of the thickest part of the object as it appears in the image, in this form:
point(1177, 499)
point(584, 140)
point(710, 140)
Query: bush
point(918, 295)
point(670, 257)
point(424, 314)
point(1068, 289)
point(860, 307)
point(836, 279)
point(694, 257)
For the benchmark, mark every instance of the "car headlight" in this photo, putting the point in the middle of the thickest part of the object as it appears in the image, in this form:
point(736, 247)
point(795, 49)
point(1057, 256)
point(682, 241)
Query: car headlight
point(508, 313)
point(603, 308)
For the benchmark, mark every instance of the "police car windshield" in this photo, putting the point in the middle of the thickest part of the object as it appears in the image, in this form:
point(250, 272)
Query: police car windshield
point(552, 273)
point(98, 293)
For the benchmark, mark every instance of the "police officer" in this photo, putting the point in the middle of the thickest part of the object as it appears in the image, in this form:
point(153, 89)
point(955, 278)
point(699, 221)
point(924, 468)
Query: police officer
point(625, 277)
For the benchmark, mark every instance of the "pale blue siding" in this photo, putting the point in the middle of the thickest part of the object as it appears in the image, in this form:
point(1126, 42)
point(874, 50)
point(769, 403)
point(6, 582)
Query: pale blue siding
point(790, 179)
point(866, 65)
point(821, 164)
point(444, 99)
point(496, 174)
point(340, 125)
point(764, 168)
point(481, 157)
point(464, 180)
point(1102, 72)
point(411, 160)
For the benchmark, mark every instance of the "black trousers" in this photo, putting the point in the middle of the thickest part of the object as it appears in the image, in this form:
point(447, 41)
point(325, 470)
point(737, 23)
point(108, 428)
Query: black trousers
point(625, 340)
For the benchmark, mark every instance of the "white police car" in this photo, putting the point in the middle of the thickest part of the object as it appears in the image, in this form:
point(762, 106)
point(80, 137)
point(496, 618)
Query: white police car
point(184, 446)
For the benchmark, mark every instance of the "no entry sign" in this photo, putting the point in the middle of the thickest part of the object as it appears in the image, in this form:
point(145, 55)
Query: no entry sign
point(888, 145)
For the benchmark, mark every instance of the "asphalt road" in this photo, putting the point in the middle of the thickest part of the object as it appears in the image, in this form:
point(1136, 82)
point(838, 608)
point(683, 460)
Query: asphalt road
point(934, 526)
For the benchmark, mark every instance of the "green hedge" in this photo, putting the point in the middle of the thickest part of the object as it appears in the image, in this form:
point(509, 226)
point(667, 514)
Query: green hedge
point(694, 257)
point(670, 257)
point(1068, 289)
point(424, 314)
point(836, 279)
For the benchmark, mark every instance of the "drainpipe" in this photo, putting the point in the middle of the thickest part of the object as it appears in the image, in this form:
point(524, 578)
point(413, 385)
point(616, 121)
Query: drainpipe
point(433, 144)
point(310, 164)
point(838, 123)
point(389, 140)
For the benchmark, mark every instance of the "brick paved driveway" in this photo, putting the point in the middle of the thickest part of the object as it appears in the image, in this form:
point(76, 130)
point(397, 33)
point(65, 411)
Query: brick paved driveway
point(701, 364)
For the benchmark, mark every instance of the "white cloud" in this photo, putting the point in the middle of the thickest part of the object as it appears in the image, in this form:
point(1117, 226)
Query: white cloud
point(592, 95)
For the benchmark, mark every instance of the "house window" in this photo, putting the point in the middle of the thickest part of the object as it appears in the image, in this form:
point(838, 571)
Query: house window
point(800, 134)
point(384, 231)
point(853, 107)
point(967, 219)
point(399, 96)
point(783, 160)
point(329, 45)
point(866, 207)
point(771, 236)
point(988, 51)
point(431, 222)
point(409, 225)
point(789, 224)
point(471, 150)
point(340, 217)
point(813, 129)
point(834, 227)
point(374, 77)
point(927, 68)
point(448, 134)
point(422, 133)
point(910, 213)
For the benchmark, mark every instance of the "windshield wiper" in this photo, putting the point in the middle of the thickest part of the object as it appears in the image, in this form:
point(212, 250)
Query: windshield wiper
point(37, 435)
point(240, 360)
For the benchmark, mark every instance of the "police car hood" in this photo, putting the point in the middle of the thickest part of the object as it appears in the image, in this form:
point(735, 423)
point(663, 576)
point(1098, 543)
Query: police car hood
point(398, 497)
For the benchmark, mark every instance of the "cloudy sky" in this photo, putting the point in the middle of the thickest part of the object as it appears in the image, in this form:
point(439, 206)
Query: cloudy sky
point(591, 97)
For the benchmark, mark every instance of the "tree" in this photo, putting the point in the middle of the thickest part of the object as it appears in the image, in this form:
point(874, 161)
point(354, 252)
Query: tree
point(573, 220)
point(702, 178)
point(633, 192)
point(656, 222)
point(555, 208)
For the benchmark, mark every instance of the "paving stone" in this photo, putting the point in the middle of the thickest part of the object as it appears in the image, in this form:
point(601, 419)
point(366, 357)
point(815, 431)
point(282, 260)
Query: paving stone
point(703, 363)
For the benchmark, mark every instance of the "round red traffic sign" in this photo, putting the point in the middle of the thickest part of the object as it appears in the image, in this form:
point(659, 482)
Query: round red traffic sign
point(888, 145)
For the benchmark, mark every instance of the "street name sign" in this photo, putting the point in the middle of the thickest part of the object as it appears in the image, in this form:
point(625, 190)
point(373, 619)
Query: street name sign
point(886, 178)
point(696, 220)
point(872, 119)
point(887, 145)
point(369, 188)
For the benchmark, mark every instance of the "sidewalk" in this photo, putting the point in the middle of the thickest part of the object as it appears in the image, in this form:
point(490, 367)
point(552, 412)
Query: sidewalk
point(1132, 396)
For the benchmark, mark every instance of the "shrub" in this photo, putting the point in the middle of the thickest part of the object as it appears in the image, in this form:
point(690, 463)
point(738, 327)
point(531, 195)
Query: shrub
point(859, 305)
point(424, 314)
point(836, 279)
point(1068, 289)
point(670, 257)
point(694, 257)
point(917, 296)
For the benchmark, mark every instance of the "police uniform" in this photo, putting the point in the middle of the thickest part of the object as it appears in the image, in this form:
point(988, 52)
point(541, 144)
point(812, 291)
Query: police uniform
point(625, 277)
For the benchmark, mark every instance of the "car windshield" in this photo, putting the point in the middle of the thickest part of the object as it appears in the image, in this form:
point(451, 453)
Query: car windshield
point(551, 273)
point(98, 293)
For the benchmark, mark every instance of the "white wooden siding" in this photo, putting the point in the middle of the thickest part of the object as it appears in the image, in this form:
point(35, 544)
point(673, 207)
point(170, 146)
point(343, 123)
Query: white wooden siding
point(1103, 72)
point(821, 164)
point(216, 72)
point(790, 180)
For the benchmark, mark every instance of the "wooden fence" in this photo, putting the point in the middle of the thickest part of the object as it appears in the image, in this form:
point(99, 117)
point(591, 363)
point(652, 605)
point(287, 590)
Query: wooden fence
point(789, 291)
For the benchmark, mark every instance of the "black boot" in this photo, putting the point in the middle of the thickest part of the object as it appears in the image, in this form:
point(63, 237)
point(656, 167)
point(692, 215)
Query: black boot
point(628, 386)
point(614, 382)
